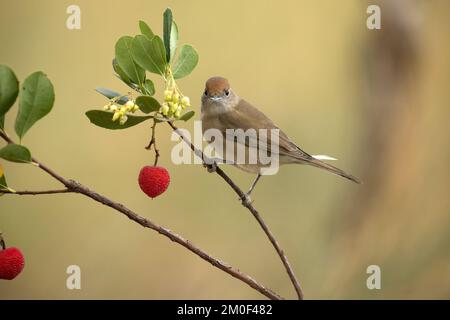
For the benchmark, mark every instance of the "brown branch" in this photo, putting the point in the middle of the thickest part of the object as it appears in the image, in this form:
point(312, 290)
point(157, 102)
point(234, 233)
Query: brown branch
point(153, 143)
point(35, 193)
point(75, 187)
point(250, 207)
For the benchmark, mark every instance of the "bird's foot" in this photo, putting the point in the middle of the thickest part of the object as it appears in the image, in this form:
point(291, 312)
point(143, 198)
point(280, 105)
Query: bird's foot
point(246, 200)
point(211, 166)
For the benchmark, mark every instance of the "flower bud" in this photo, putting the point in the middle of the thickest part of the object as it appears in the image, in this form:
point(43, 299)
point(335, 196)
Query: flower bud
point(113, 108)
point(165, 109)
point(123, 119)
point(129, 104)
point(116, 116)
point(173, 107)
point(185, 102)
point(167, 95)
point(123, 109)
point(106, 107)
point(175, 98)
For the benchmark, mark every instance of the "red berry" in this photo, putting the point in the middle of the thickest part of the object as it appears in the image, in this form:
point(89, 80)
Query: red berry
point(153, 180)
point(11, 263)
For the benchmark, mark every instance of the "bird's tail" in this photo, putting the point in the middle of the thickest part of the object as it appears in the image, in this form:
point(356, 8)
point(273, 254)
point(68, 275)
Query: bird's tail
point(314, 161)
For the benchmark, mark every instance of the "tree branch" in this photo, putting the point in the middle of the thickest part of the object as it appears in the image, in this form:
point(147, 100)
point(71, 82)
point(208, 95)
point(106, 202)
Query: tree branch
point(75, 187)
point(35, 193)
point(250, 207)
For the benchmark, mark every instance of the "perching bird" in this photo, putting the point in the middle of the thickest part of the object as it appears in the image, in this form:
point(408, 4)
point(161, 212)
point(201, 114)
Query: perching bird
point(222, 109)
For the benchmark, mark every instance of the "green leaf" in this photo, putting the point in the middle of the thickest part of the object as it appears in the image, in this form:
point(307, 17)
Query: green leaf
point(35, 101)
point(120, 72)
point(173, 40)
point(122, 76)
point(167, 31)
point(186, 62)
point(9, 88)
point(125, 60)
point(15, 153)
point(145, 29)
point(187, 115)
point(149, 87)
point(149, 54)
point(3, 184)
point(110, 94)
point(2, 122)
point(104, 119)
point(147, 104)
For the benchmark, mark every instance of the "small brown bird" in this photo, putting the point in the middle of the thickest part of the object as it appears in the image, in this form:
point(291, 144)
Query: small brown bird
point(222, 109)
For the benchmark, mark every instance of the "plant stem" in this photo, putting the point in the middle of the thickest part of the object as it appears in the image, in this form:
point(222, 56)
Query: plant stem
point(153, 143)
point(35, 193)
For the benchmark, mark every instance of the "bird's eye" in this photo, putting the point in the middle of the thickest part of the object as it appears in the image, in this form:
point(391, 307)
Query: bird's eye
point(227, 93)
point(205, 93)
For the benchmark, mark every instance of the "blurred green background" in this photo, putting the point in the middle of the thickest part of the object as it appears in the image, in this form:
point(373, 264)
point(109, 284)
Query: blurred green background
point(378, 100)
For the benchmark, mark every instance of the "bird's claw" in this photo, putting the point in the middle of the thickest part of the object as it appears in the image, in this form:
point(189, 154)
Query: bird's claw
point(246, 200)
point(211, 167)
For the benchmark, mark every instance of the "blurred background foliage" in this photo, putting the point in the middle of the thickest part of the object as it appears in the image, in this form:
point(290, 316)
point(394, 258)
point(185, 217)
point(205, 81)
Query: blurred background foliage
point(377, 100)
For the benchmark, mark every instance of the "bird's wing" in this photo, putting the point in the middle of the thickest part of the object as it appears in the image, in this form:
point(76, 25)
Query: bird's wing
point(248, 117)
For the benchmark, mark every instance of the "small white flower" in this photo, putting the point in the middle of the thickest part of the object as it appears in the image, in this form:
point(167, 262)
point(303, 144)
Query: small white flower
point(116, 116)
point(123, 119)
point(185, 101)
point(165, 109)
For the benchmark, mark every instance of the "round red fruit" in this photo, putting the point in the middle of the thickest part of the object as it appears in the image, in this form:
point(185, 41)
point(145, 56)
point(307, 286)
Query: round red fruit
point(11, 263)
point(154, 180)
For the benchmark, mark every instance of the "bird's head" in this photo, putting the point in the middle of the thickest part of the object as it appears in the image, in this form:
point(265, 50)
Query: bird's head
point(218, 96)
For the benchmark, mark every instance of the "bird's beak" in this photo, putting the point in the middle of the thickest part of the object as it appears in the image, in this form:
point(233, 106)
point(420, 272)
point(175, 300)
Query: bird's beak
point(215, 98)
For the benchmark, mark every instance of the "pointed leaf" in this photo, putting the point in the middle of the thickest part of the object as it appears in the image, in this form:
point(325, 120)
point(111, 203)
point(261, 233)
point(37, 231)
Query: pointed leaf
point(149, 87)
point(110, 94)
point(15, 153)
point(120, 72)
point(125, 60)
point(104, 119)
point(145, 29)
point(149, 54)
point(187, 115)
point(35, 101)
point(167, 31)
point(186, 62)
point(173, 40)
point(147, 104)
point(9, 88)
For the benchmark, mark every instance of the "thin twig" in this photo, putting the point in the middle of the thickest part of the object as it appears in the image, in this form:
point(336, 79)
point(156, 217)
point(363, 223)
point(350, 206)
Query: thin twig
point(76, 187)
point(250, 207)
point(35, 193)
point(153, 143)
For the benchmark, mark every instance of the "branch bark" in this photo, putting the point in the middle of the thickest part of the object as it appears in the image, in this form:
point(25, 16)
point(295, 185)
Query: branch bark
point(75, 187)
point(36, 193)
point(250, 207)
